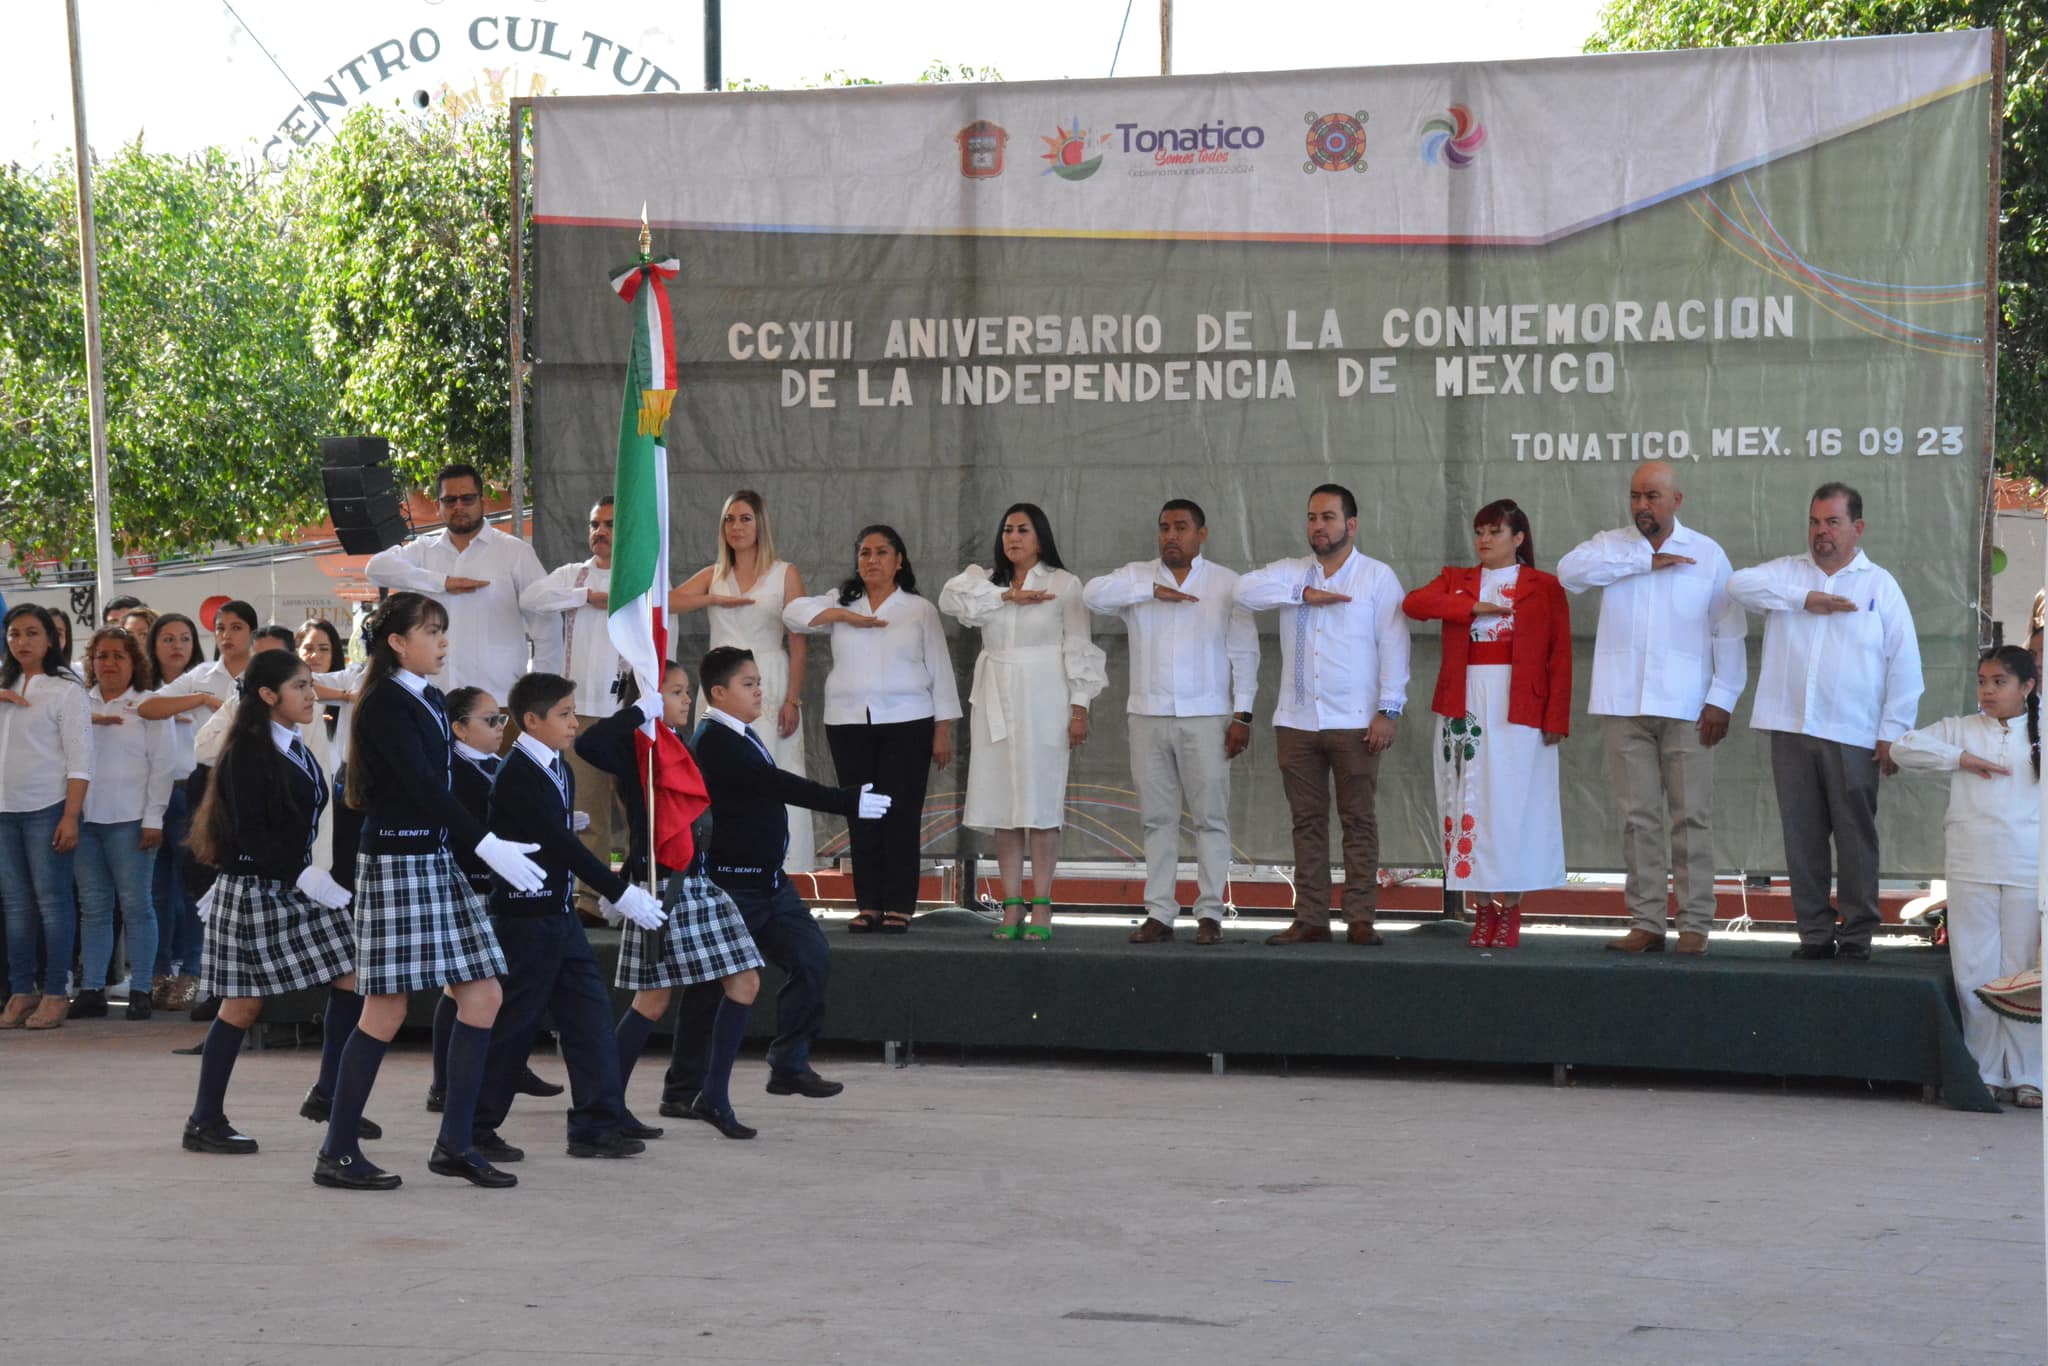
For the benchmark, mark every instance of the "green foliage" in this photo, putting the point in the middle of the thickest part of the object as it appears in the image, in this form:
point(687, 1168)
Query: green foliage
point(213, 396)
point(935, 73)
point(405, 230)
point(1643, 25)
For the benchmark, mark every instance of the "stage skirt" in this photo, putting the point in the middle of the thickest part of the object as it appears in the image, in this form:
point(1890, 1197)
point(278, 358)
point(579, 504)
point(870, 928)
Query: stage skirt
point(1496, 794)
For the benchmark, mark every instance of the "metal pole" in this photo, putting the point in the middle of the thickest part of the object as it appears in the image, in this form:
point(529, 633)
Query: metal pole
point(95, 370)
point(517, 340)
point(714, 48)
point(1166, 37)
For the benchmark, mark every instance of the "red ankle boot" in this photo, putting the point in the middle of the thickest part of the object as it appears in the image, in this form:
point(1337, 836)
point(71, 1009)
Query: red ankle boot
point(1507, 928)
point(1483, 920)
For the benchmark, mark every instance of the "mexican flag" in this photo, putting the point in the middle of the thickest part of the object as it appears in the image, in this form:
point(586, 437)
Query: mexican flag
point(639, 587)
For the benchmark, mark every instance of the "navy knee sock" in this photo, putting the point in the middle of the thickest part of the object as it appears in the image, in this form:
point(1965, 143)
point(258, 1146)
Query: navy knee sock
point(361, 1056)
point(632, 1040)
point(444, 1024)
point(344, 1008)
point(216, 1064)
point(728, 1032)
point(467, 1046)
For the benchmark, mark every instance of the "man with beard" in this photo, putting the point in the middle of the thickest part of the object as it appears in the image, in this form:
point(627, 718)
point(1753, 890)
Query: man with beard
point(1669, 663)
point(1343, 684)
point(478, 573)
point(1194, 657)
point(577, 597)
point(1840, 682)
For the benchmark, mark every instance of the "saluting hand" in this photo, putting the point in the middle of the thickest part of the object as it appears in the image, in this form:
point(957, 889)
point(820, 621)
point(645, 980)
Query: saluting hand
point(1167, 593)
point(105, 719)
point(1493, 609)
point(12, 697)
point(846, 616)
point(454, 584)
point(1983, 768)
point(1322, 597)
point(720, 600)
point(1664, 559)
point(1821, 604)
point(1027, 597)
point(598, 598)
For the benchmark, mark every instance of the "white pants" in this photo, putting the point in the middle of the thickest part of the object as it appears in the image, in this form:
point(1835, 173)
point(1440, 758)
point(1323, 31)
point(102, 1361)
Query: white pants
point(1994, 931)
point(1177, 761)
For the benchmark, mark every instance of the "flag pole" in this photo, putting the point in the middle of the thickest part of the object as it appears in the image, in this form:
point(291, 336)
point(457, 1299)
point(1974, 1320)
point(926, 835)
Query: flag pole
point(95, 369)
point(653, 860)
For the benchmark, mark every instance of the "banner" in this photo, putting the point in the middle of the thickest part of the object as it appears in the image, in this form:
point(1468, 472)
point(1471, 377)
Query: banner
point(1437, 285)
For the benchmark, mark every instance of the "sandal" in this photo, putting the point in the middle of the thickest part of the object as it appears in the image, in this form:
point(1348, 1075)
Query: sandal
point(1041, 933)
point(895, 922)
point(864, 922)
point(1007, 930)
point(2027, 1097)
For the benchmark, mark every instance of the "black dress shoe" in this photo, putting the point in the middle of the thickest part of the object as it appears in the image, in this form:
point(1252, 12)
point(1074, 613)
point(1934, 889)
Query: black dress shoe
point(216, 1136)
point(353, 1174)
point(471, 1167)
point(320, 1109)
point(205, 1010)
point(530, 1084)
point(138, 1007)
point(495, 1149)
point(436, 1100)
point(631, 1127)
point(727, 1123)
point(804, 1083)
point(613, 1144)
point(680, 1109)
point(90, 1004)
point(1852, 953)
point(1815, 951)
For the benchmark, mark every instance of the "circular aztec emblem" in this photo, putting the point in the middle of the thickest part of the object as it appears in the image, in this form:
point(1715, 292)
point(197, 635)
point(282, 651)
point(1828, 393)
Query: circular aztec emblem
point(1453, 139)
point(1336, 142)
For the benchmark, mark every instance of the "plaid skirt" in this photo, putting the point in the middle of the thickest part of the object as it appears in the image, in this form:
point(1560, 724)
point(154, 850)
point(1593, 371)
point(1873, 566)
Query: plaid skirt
point(703, 939)
point(419, 925)
point(264, 938)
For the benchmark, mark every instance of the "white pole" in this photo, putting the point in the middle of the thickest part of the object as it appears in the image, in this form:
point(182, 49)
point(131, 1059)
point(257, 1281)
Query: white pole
point(95, 372)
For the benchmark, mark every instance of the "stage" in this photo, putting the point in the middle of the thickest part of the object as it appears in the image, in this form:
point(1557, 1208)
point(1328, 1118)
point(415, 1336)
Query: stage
point(1560, 999)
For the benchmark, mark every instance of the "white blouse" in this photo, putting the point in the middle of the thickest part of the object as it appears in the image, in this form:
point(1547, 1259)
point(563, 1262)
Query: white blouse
point(898, 672)
point(131, 764)
point(1993, 824)
point(211, 678)
point(44, 744)
point(1011, 632)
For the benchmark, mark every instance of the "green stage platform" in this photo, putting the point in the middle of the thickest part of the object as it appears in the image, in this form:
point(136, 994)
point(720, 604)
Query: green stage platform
point(1559, 999)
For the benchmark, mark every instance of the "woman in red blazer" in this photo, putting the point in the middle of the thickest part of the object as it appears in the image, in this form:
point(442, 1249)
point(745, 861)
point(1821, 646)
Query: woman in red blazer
point(1504, 696)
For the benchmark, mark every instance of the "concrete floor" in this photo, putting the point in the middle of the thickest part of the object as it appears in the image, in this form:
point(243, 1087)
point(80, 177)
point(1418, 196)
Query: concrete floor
point(1029, 1212)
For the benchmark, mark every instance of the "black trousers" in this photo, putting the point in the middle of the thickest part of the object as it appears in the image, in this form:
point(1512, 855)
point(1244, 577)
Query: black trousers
point(549, 971)
point(788, 937)
point(897, 759)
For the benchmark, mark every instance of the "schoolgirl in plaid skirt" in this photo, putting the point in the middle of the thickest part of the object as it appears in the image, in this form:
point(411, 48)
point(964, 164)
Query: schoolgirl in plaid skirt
point(418, 924)
point(704, 940)
point(275, 921)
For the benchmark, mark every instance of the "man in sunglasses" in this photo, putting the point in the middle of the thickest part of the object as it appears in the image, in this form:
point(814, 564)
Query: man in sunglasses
point(478, 573)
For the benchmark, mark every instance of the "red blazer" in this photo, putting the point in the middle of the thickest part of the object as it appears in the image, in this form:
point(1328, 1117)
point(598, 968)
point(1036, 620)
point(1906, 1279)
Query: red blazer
point(1539, 656)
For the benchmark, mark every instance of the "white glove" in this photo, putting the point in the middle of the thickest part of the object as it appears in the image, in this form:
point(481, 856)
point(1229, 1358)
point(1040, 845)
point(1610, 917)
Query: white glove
point(204, 906)
point(318, 885)
point(640, 907)
point(579, 821)
point(608, 912)
point(510, 862)
point(873, 805)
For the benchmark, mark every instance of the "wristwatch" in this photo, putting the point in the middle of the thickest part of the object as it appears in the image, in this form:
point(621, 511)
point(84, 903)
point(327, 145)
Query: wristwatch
point(1243, 717)
point(1391, 713)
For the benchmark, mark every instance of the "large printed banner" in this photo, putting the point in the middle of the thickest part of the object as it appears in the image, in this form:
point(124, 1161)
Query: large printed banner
point(1436, 285)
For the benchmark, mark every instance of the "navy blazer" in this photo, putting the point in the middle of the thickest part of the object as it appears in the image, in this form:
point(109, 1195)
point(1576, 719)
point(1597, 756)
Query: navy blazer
point(472, 787)
point(271, 840)
point(609, 747)
point(527, 807)
point(404, 750)
point(750, 829)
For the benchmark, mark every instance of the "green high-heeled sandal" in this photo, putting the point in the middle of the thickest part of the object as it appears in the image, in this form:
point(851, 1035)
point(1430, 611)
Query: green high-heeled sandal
point(1009, 932)
point(1039, 932)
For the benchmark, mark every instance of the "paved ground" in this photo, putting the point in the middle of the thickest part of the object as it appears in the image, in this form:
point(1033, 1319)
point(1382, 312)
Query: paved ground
point(1021, 1211)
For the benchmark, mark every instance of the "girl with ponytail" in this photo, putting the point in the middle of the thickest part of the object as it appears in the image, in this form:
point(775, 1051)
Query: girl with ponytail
point(275, 920)
point(1993, 821)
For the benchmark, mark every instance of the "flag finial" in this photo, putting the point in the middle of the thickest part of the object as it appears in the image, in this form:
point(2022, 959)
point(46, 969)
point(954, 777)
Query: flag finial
point(646, 237)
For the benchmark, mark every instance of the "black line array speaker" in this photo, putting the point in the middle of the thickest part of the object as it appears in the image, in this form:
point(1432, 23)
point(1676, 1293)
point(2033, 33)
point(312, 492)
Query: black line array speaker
point(362, 497)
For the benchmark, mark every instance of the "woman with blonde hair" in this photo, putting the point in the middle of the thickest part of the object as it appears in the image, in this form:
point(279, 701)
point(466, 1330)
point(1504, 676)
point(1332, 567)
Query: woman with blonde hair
point(742, 593)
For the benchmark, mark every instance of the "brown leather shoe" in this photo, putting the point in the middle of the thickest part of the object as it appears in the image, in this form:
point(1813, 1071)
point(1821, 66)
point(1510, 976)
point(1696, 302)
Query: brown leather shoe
point(1692, 942)
point(1362, 933)
point(1152, 932)
point(50, 1013)
point(19, 1008)
point(1301, 933)
point(1208, 930)
point(1637, 941)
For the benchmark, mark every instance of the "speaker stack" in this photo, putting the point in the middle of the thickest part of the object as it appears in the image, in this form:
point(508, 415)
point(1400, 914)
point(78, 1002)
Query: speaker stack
point(362, 497)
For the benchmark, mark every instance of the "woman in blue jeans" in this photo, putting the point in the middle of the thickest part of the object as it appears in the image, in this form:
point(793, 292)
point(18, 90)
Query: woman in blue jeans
point(175, 651)
point(45, 764)
point(124, 824)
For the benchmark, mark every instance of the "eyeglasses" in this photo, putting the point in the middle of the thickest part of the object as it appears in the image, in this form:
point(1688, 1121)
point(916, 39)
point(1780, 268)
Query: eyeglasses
point(456, 500)
point(496, 722)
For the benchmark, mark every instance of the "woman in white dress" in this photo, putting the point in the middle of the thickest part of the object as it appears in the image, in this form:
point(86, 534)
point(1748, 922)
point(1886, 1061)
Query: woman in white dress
point(1033, 681)
point(743, 595)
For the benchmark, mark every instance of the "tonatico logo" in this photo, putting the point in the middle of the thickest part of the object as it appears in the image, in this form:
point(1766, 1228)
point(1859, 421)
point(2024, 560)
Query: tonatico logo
point(1206, 144)
point(1066, 152)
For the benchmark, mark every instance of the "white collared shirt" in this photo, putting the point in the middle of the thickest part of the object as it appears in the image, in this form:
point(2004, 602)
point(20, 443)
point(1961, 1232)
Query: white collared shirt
point(45, 744)
point(547, 759)
point(314, 732)
point(1993, 824)
point(1671, 641)
point(131, 764)
point(1850, 677)
point(592, 663)
point(898, 672)
point(475, 755)
point(738, 727)
point(1340, 663)
point(211, 678)
point(1187, 658)
point(487, 630)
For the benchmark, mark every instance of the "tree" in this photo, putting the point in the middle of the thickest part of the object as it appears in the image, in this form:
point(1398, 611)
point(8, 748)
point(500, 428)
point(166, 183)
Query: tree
point(2022, 437)
point(213, 398)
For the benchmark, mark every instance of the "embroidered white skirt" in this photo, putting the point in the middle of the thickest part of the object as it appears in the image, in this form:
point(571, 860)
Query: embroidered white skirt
point(1496, 794)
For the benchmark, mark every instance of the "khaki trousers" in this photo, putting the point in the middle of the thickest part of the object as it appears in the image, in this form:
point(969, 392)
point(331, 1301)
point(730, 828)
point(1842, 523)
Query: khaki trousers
point(1309, 761)
point(1178, 764)
point(1664, 780)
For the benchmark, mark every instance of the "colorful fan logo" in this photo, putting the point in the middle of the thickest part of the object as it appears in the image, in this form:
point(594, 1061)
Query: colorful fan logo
point(1067, 153)
point(1453, 140)
point(1336, 142)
